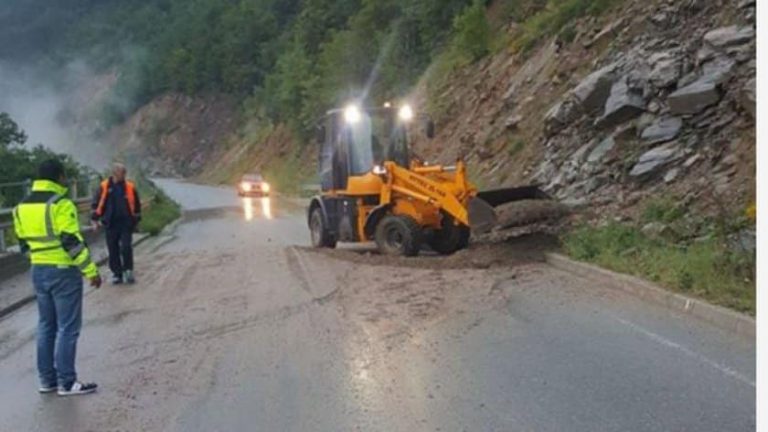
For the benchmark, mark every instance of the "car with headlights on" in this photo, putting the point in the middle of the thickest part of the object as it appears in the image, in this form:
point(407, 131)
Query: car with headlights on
point(253, 185)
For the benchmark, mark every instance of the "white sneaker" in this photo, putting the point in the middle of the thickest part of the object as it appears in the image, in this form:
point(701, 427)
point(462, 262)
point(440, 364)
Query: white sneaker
point(128, 276)
point(44, 390)
point(78, 388)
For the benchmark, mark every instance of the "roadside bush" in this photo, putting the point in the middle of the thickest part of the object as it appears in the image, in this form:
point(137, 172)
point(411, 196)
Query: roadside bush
point(161, 212)
point(709, 268)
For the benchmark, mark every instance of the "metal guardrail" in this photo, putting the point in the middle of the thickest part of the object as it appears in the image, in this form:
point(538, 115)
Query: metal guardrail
point(82, 202)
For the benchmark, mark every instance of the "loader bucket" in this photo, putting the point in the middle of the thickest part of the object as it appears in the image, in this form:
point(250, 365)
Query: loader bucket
point(497, 197)
point(482, 216)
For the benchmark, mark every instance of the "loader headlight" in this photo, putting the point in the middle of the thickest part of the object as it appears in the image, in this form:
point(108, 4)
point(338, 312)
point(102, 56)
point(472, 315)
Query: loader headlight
point(246, 187)
point(379, 170)
point(352, 114)
point(405, 113)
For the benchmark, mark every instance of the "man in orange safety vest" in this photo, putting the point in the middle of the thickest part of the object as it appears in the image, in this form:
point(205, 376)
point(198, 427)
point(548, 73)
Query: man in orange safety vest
point(117, 207)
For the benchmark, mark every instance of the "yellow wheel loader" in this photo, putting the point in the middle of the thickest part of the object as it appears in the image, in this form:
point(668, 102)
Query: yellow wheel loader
point(373, 189)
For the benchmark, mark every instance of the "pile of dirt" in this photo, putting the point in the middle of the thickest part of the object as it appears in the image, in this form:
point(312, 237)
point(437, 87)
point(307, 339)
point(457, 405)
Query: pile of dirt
point(507, 249)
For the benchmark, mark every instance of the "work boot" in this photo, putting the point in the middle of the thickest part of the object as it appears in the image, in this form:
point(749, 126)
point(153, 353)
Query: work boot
point(77, 388)
point(117, 279)
point(129, 277)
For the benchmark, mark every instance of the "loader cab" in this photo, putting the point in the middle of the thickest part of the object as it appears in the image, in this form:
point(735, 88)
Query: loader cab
point(353, 141)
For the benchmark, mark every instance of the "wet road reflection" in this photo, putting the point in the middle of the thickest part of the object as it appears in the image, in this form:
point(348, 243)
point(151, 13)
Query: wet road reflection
point(258, 208)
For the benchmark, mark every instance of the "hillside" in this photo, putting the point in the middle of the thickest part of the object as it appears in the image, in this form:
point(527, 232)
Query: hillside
point(646, 100)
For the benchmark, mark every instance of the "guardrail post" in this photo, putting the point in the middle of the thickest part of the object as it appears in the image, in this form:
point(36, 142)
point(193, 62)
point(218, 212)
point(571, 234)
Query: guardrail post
point(2, 240)
point(27, 187)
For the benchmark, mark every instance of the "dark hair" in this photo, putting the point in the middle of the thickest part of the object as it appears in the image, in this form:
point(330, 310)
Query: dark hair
point(51, 169)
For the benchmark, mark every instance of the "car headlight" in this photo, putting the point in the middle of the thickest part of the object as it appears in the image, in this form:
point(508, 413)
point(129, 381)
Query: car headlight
point(265, 187)
point(406, 113)
point(246, 187)
point(352, 114)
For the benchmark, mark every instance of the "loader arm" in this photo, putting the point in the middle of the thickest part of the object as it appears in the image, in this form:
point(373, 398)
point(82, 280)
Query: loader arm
point(451, 197)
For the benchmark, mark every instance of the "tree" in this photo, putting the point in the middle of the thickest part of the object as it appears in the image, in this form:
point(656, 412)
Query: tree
point(10, 133)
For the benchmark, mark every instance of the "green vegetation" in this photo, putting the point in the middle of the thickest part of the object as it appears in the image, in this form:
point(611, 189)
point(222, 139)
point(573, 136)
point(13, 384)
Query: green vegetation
point(18, 163)
point(700, 257)
point(160, 211)
point(555, 16)
point(515, 147)
point(296, 57)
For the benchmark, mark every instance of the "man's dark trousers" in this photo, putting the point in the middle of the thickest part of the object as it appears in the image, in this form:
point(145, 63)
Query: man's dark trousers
point(120, 247)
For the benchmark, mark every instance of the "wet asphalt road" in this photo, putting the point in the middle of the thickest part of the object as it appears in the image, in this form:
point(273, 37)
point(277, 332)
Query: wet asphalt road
point(231, 327)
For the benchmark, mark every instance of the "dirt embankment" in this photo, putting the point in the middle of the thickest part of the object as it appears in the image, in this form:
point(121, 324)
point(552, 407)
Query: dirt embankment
point(175, 135)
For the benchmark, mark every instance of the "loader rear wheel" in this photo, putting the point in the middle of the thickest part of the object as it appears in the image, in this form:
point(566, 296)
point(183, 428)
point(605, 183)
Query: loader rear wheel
point(450, 238)
point(398, 235)
point(321, 237)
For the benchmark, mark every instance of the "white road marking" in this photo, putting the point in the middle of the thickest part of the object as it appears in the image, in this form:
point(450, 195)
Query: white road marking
point(666, 342)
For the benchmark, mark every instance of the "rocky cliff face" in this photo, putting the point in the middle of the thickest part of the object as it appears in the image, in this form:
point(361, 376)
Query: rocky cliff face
point(652, 99)
point(175, 135)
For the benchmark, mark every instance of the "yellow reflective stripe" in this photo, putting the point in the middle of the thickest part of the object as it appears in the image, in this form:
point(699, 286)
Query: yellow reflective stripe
point(49, 217)
point(85, 265)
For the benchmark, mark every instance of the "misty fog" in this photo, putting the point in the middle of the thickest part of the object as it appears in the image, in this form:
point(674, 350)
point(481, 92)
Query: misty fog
point(56, 108)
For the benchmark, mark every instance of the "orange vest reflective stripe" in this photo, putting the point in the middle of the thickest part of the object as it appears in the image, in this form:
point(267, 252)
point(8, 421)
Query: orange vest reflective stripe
point(130, 195)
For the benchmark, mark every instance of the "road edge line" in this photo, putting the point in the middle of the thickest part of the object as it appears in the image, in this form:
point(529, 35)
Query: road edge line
point(719, 316)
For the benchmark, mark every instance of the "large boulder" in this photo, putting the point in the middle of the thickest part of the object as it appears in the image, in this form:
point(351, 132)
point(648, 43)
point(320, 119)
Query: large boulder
point(593, 90)
point(666, 68)
point(624, 104)
point(561, 115)
point(652, 160)
point(693, 98)
point(662, 130)
point(725, 37)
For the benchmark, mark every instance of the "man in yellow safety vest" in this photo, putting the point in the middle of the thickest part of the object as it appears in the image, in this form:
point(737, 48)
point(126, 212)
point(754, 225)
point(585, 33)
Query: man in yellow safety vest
point(47, 227)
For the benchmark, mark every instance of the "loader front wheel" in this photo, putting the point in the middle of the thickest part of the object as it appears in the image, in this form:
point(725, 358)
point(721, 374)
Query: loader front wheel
point(398, 235)
point(450, 238)
point(321, 237)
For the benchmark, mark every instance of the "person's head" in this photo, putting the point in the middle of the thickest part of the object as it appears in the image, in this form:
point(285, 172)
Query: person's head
point(118, 172)
point(52, 170)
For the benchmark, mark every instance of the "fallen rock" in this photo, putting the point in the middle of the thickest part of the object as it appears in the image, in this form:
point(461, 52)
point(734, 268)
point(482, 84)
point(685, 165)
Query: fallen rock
point(597, 154)
point(747, 97)
point(560, 115)
point(662, 130)
point(593, 90)
point(666, 68)
point(513, 121)
point(691, 160)
point(654, 159)
point(694, 98)
point(622, 105)
point(743, 4)
point(717, 71)
point(578, 156)
point(671, 175)
point(729, 36)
